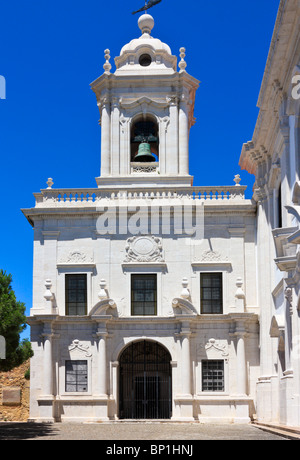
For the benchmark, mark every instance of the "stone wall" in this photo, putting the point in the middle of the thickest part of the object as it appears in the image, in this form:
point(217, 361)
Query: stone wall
point(15, 379)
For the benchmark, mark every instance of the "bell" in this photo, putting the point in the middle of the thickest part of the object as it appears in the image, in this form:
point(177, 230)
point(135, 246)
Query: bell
point(144, 154)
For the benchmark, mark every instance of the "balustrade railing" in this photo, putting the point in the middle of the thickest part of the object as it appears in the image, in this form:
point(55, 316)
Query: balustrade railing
point(91, 197)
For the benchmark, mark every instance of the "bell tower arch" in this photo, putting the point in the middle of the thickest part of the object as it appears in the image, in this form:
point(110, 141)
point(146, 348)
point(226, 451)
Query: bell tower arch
point(144, 139)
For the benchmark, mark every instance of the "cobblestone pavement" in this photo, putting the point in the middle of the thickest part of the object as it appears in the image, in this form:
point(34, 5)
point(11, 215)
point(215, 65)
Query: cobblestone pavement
point(132, 432)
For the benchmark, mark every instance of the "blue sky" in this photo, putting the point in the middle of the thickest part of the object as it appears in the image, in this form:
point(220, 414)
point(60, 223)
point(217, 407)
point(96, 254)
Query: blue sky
point(51, 51)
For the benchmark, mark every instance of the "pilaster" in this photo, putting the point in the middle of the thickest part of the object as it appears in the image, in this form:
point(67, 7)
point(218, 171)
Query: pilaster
point(185, 400)
point(105, 136)
point(115, 138)
point(101, 394)
point(173, 138)
point(183, 136)
point(46, 400)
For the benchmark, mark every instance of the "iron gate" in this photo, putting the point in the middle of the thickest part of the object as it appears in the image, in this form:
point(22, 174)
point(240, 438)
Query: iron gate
point(145, 382)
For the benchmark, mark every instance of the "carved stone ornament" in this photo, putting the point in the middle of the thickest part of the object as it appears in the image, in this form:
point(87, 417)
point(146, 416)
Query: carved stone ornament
point(78, 347)
point(76, 257)
point(288, 293)
point(144, 249)
point(212, 256)
point(213, 345)
point(183, 307)
point(102, 307)
point(212, 349)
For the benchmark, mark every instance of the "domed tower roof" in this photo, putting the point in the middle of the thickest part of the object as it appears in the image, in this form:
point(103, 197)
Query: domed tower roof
point(145, 54)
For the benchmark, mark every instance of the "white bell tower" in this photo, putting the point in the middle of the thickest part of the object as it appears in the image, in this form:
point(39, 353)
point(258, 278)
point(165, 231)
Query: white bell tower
point(146, 101)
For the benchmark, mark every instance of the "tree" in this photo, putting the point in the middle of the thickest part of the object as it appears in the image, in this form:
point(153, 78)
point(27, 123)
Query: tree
point(12, 323)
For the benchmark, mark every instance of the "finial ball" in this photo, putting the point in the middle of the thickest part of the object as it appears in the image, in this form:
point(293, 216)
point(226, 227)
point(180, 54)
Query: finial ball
point(146, 23)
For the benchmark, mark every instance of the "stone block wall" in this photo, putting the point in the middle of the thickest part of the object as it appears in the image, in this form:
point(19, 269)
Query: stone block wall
point(14, 395)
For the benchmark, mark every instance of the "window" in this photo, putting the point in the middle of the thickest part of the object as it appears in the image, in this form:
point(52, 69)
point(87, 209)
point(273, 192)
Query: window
point(76, 295)
point(76, 376)
point(144, 295)
point(279, 208)
point(211, 293)
point(212, 375)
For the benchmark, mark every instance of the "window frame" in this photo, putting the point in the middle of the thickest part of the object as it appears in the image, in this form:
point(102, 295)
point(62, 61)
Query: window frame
point(214, 380)
point(221, 276)
point(143, 275)
point(279, 214)
point(67, 277)
point(77, 361)
point(64, 269)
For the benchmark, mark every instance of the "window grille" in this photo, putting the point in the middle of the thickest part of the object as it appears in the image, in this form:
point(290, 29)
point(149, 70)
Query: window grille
point(143, 295)
point(76, 376)
point(212, 375)
point(76, 295)
point(211, 293)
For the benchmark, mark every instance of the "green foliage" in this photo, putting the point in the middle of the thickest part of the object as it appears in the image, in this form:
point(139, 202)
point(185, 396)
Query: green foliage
point(27, 374)
point(12, 323)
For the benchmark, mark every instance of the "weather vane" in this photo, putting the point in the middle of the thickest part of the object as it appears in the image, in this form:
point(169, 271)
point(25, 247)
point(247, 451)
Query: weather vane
point(148, 4)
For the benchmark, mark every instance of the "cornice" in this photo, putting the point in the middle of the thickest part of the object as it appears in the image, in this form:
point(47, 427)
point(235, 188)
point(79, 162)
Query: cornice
point(112, 81)
point(247, 208)
point(278, 51)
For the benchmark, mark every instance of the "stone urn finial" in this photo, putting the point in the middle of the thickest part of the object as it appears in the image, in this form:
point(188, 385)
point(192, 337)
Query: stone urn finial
point(185, 293)
point(102, 293)
point(237, 179)
point(48, 294)
point(50, 182)
point(182, 64)
point(107, 65)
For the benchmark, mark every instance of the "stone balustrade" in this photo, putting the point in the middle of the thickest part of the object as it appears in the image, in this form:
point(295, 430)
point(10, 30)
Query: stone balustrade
point(91, 197)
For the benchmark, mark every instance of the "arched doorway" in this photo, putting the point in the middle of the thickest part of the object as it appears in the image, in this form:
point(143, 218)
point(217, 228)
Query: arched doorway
point(145, 381)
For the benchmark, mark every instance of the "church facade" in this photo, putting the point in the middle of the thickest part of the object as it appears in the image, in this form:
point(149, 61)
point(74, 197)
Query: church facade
point(150, 295)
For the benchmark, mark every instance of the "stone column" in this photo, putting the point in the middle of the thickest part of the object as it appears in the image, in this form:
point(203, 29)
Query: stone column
point(163, 136)
point(102, 364)
point(114, 390)
point(172, 144)
point(101, 411)
point(186, 368)
point(48, 364)
point(285, 159)
point(241, 398)
point(288, 294)
point(105, 137)
point(241, 364)
point(124, 146)
point(115, 138)
point(185, 400)
point(264, 286)
point(183, 137)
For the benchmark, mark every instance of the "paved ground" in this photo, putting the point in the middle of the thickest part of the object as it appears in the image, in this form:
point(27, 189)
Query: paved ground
point(132, 432)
